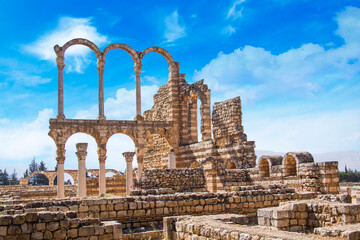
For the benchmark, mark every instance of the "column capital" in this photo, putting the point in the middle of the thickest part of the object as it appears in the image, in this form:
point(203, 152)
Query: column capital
point(81, 147)
point(129, 156)
point(81, 155)
point(100, 65)
point(60, 159)
point(60, 62)
point(137, 68)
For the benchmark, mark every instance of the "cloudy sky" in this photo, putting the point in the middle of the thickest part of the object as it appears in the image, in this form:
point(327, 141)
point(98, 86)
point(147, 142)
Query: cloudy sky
point(295, 65)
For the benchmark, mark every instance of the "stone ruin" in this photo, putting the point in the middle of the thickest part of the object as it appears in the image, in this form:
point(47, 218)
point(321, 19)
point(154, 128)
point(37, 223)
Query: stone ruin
point(183, 188)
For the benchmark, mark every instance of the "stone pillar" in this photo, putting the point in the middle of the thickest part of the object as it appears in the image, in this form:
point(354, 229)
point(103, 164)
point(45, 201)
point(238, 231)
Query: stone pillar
point(174, 111)
point(137, 68)
point(100, 67)
point(81, 154)
point(60, 158)
point(172, 159)
point(60, 64)
point(206, 117)
point(102, 180)
point(140, 160)
point(129, 156)
point(193, 128)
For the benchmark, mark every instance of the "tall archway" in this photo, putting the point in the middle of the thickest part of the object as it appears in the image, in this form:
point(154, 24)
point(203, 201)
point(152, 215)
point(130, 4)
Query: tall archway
point(264, 168)
point(290, 166)
point(38, 179)
point(73, 90)
point(116, 145)
point(118, 74)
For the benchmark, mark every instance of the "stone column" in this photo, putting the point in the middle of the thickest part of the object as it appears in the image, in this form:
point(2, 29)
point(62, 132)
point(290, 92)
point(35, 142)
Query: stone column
point(81, 154)
point(174, 111)
point(60, 64)
point(206, 117)
point(60, 158)
point(140, 161)
point(172, 159)
point(129, 156)
point(193, 130)
point(102, 180)
point(100, 67)
point(137, 68)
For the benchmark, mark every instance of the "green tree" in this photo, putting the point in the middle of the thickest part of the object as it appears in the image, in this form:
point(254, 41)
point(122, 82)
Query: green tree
point(37, 179)
point(4, 177)
point(14, 179)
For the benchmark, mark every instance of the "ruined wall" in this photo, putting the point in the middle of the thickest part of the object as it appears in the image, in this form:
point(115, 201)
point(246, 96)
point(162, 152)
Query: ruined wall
point(228, 145)
point(115, 185)
point(156, 146)
point(180, 180)
point(139, 211)
point(301, 216)
point(56, 225)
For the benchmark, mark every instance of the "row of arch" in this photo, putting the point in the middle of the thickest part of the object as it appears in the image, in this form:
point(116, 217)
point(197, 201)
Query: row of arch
point(51, 175)
point(101, 56)
point(290, 163)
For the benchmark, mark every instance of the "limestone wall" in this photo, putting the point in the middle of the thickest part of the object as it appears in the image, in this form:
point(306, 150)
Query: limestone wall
point(56, 225)
point(180, 180)
point(300, 216)
point(135, 211)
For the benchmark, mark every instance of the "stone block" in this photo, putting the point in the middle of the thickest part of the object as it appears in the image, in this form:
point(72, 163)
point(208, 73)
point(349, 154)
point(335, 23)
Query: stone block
point(5, 220)
point(37, 236)
point(31, 217)
point(19, 219)
point(59, 234)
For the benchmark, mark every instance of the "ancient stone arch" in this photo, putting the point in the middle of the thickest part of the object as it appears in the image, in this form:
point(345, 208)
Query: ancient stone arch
point(50, 175)
point(162, 52)
point(231, 165)
point(81, 41)
point(264, 167)
point(290, 166)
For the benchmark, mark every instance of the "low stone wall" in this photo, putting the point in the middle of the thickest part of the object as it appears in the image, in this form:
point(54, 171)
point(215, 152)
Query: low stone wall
point(180, 180)
point(140, 211)
point(308, 215)
point(56, 225)
point(115, 185)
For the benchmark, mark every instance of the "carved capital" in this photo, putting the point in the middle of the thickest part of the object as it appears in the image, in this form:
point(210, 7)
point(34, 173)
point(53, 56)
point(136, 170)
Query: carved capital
point(60, 159)
point(137, 68)
point(129, 156)
point(100, 65)
point(81, 155)
point(60, 61)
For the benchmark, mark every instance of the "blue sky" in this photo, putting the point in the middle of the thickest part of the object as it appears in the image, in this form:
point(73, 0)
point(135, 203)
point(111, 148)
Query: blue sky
point(295, 65)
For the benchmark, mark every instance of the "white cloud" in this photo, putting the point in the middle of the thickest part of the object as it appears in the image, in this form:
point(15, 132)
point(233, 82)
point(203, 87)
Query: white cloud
point(315, 133)
point(307, 70)
point(234, 12)
point(173, 28)
point(355, 136)
point(229, 30)
point(68, 28)
point(123, 106)
point(4, 120)
point(28, 139)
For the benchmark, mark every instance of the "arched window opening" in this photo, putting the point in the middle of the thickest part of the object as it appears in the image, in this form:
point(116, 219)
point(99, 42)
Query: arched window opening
point(80, 104)
point(119, 81)
point(154, 74)
point(38, 180)
point(231, 165)
point(68, 179)
point(264, 168)
point(71, 159)
point(116, 145)
point(290, 166)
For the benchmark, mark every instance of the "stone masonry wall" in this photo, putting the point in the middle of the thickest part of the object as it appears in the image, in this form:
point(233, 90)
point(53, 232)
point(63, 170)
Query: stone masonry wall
point(139, 211)
point(300, 216)
point(180, 180)
point(56, 225)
